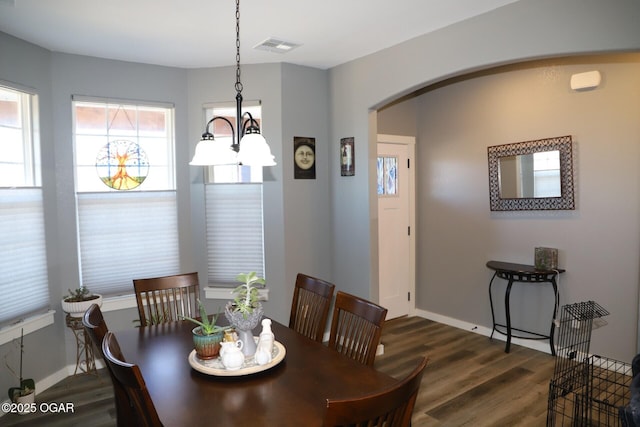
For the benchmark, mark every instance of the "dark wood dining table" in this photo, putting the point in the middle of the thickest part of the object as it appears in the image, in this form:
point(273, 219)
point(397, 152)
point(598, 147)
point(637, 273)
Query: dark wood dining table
point(291, 393)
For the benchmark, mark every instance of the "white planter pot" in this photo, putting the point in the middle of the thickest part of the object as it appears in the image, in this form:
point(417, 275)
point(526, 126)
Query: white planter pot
point(25, 403)
point(77, 309)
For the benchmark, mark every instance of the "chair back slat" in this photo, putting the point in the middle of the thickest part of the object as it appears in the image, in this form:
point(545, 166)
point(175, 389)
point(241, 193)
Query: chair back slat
point(130, 378)
point(356, 327)
point(165, 299)
point(392, 407)
point(310, 306)
point(96, 328)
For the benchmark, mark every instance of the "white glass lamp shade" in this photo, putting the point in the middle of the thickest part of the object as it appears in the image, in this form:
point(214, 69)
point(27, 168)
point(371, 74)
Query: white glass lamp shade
point(212, 152)
point(254, 151)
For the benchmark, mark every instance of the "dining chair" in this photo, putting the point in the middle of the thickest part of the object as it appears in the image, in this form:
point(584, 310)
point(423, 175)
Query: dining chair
point(356, 327)
point(96, 328)
point(165, 299)
point(392, 407)
point(131, 380)
point(310, 306)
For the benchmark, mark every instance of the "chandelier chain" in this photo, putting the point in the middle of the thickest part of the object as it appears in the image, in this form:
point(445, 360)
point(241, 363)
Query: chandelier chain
point(238, 82)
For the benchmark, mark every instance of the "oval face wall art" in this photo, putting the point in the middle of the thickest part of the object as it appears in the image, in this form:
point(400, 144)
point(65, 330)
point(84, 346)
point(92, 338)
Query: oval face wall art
point(304, 158)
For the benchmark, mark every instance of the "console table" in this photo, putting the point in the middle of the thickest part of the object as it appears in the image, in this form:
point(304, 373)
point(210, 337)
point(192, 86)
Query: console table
point(514, 273)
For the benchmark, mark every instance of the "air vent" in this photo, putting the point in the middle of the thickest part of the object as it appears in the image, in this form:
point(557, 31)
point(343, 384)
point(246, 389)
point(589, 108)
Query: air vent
point(275, 45)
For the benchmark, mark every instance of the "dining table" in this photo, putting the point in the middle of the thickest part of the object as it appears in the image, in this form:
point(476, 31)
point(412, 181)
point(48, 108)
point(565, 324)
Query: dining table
point(291, 392)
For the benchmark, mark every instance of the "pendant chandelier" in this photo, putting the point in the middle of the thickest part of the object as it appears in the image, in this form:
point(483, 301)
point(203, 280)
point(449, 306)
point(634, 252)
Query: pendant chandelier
point(248, 147)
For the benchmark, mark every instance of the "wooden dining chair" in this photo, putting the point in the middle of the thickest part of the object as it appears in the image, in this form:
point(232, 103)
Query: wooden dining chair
point(310, 306)
point(130, 378)
point(392, 407)
point(96, 328)
point(165, 299)
point(356, 327)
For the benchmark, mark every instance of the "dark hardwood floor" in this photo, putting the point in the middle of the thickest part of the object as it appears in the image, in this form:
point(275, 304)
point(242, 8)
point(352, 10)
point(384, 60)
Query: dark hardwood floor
point(469, 381)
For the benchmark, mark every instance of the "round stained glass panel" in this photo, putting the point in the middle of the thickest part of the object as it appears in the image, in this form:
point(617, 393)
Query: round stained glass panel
point(122, 164)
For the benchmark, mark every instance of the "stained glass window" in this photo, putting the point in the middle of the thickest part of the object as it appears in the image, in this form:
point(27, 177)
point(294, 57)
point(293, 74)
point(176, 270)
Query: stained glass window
point(125, 190)
point(123, 147)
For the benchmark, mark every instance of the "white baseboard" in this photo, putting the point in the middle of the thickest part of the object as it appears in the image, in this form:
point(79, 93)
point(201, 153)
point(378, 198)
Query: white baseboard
point(539, 345)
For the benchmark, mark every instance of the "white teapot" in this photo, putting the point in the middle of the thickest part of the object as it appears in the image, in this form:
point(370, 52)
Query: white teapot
point(231, 355)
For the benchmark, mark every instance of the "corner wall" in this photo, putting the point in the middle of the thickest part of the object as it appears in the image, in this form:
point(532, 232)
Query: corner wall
point(506, 35)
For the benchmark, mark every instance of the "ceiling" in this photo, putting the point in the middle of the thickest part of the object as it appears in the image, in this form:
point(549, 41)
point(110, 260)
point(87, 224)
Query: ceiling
point(201, 33)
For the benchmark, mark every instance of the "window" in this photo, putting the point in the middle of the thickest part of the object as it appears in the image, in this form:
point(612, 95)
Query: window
point(24, 283)
point(233, 196)
point(387, 176)
point(546, 174)
point(125, 189)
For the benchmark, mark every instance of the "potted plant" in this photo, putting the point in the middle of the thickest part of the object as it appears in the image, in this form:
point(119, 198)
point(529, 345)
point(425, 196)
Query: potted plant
point(78, 301)
point(26, 392)
point(207, 335)
point(245, 311)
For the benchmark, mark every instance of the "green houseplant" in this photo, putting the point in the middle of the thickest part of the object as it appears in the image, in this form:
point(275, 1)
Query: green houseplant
point(207, 335)
point(247, 298)
point(245, 311)
point(26, 392)
point(79, 300)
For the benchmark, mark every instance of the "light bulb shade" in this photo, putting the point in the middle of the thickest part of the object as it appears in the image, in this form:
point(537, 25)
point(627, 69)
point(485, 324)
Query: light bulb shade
point(254, 151)
point(212, 152)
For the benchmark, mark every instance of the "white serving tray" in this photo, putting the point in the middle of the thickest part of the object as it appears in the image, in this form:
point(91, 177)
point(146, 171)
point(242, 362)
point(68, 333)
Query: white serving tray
point(216, 368)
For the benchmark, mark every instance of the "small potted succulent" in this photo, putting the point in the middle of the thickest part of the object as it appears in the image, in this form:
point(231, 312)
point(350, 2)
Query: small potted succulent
point(207, 335)
point(26, 392)
point(245, 311)
point(79, 300)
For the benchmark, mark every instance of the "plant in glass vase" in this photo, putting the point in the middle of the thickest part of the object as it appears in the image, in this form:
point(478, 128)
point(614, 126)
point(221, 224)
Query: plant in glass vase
point(245, 311)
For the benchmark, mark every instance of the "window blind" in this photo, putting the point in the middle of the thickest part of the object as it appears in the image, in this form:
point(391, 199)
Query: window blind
point(24, 283)
point(125, 236)
point(234, 231)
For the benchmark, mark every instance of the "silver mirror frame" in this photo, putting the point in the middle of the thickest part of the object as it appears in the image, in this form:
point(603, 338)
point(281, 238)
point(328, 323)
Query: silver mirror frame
point(564, 202)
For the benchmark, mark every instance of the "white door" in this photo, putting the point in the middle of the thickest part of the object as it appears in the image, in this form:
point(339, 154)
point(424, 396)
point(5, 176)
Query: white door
point(396, 228)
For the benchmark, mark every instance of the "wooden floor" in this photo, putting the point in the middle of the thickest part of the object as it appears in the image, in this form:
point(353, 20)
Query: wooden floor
point(469, 381)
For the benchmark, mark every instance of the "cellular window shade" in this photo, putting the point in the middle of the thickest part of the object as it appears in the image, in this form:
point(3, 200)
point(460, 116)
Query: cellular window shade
point(24, 283)
point(126, 236)
point(234, 231)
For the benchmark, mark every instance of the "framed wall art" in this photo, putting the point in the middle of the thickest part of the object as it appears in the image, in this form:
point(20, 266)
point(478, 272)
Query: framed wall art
point(304, 157)
point(347, 157)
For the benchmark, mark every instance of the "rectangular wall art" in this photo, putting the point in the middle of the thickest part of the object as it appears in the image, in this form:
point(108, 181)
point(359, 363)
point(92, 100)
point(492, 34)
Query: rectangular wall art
point(347, 157)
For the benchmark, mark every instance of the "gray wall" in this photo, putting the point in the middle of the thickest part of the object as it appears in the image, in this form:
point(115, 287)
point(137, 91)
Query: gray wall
point(457, 233)
point(342, 208)
point(510, 34)
point(31, 69)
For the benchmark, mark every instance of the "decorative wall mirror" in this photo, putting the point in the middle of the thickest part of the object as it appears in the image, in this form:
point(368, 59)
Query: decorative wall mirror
point(531, 175)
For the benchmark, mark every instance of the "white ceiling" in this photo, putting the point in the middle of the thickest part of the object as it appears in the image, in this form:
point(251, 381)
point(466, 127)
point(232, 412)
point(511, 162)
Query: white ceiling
point(201, 33)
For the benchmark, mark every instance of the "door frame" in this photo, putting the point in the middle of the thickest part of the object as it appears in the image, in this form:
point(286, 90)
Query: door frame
point(410, 142)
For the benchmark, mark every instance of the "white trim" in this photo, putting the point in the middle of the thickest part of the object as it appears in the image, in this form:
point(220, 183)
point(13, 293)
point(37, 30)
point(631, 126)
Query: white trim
point(218, 292)
point(120, 302)
point(538, 345)
point(396, 139)
point(30, 324)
